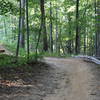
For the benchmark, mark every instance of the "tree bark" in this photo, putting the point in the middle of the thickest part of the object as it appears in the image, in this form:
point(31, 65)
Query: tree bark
point(18, 42)
point(77, 48)
point(51, 38)
point(22, 26)
point(45, 43)
point(5, 28)
point(56, 29)
point(97, 28)
point(27, 29)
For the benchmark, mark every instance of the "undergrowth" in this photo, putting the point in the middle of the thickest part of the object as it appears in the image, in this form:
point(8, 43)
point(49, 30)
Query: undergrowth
point(9, 61)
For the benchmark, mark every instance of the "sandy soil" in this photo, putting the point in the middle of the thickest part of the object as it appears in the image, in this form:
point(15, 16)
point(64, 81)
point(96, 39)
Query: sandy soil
point(64, 79)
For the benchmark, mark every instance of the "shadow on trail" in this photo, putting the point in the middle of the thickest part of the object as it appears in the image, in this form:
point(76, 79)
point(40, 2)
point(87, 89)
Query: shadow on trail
point(38, 78)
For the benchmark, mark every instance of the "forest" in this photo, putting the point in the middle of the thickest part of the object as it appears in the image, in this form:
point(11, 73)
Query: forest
point(61, 27)
point(41, 41)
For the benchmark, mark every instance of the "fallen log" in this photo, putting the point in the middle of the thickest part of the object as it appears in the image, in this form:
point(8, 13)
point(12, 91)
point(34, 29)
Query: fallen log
point(2, 51)
point(89, 58)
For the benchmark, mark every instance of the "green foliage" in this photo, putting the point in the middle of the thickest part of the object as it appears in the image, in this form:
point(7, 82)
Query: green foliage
point(7, 7)
point(10, 61)
point(56, 55)
point(66, 21)
point(35, 57)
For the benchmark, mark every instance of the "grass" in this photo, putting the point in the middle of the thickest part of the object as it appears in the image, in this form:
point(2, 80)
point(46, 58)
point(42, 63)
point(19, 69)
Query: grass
point(12, 70)
point(10, 61)
point(13, 47)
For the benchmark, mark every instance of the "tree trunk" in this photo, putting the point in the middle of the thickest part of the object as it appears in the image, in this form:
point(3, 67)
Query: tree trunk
point(84, 31)
point(22, 27)
point(97, 11)
point(45, 43)
point(56, 29)
point(5, 28)
point(51, 38)
point(70, 40)
point(77, 48)
point(27, 29)
point(18, 42)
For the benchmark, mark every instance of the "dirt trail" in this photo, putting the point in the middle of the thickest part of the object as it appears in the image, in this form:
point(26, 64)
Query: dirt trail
point(64, 79)
point(79, 80)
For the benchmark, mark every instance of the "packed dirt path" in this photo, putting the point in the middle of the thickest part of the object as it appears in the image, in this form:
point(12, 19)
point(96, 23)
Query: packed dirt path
point(60, 79)
point(79, 74)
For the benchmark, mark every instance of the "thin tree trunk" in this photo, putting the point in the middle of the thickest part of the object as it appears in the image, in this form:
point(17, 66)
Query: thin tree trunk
point(51, 38)
point(5, 28)
point(97, 11)
point(77, 48)
point(87, 45)
point(27, 24)
point(56, 29)
point(70, 40)
point(84, 16)
point(18, 42)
